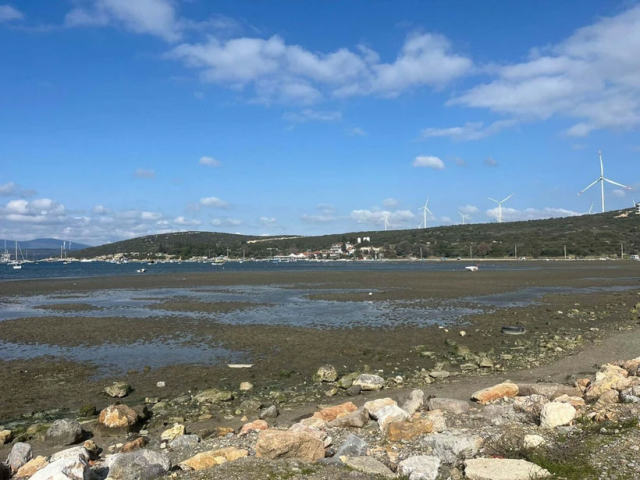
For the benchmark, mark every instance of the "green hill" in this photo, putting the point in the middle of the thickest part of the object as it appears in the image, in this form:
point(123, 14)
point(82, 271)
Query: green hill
point(587, 235)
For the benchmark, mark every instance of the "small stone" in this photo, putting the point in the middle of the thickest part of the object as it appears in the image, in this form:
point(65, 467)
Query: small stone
point(555, 414)
point(387, 415)
point(209, 459)
point(502, 469)
point(439, 374)
point(368, 466)
point(357, 419)
point(354, 390)
point(116, 419)
point(326, 373)
point(331, 413)
point(372, 407)
point(246, 386)
point(398, 431)
point(173, 432)
point(31, 467)
point(347, 381)
point(463, 333)
point(134, 445)
point(490, 394)
point(331, 392)
point(269, 412)
point(118, 390)
point(451, 447)
point(184, 441)
point(368, 381)
point(64, 432)
point(533, 441)
point(213, 395)
point(353, 446)
point(161, 384)
point(256, 426)
point(20, 454)
point(276, 444)
point(423, 467)
point(5, 436)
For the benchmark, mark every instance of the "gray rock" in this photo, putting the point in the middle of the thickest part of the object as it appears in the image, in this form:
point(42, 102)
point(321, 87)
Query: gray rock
point(452, 447)
point(439, 374)
point(367, 381)
point(20, 454)
point(500, 414)
point(64, 432)
point(346, 381)
point(213, 395)
point(65, 469)
point(327, 373)
point(118, 390)
point(412, 402)
point(423, 467)
point(392, 413)
point(139, 465)
point(269, 412)
point(184, 441)
point(354, 390)
point(250, 405)
point(550, 390)
point(357, 419)
point(368, 465)
point(353, 446)
point(448, 405)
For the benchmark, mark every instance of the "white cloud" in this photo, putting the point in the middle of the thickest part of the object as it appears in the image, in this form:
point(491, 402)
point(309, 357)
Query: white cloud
point(490, 162)
point(618, 193)
point(277, 71)
point(154, 17)
point(315, 219)
point(469, 209)
point(150, 215)
point(398, 218)
point(144, 173)
point(592, 78)
point(356, 132)
point(427, 161)
point(308, 114)
point(8, 13)
point(390, 203)
point(213, 202)
point(184, 221)
point(469, 131)
point(7, 189)
point(268, 221)
point(209, 162)
point(226, 222)
point(513, 215)
point(326, 208)
point(38, 211)
point(101, 210)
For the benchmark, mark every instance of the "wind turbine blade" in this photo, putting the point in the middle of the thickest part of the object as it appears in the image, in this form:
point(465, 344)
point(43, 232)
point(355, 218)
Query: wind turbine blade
point(429, 211)
point(601, 164)
point(616, 183)
point(507, 198)
point(493, 200)
point(590, 185)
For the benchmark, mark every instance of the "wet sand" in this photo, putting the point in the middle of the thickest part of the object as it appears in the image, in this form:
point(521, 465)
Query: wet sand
point(287, 356)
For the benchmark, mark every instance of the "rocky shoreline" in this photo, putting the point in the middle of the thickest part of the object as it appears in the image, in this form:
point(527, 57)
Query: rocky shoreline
point(509, 430)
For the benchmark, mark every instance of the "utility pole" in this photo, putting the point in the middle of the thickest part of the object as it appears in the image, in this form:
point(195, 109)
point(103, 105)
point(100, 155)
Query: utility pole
point(622, 250)
point(271, 252)
point(470, 251)
point(565, 252)
point(420, 253)
point(515, 255)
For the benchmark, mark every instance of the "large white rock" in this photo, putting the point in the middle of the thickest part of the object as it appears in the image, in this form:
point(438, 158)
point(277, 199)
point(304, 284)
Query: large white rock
point(451, 446)
point(412, 402)
point(65, 469)
point(372, 407)
point(555, 414)
point(367, 381)
point(73, 452)
point(502, 469)
point(368, 465)
point(533, 441)
point(423, 467)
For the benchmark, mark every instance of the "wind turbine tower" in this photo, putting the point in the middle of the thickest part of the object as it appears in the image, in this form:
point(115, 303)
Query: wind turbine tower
point(464, 217)
point(500, 206)
point(425, 210)
point(386, 221)
point(603, 179)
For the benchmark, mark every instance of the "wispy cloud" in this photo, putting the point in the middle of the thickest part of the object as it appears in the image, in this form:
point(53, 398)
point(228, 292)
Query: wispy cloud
point(144, 173)
point(309, 115)
point(428, 161)
point(209, 162)
point(390, 203)
point(513, 215)
point(469, 131)
point(268, 221)
point(355, 132)
point(490, 162)
point(9, 13)
point(213, 202)
point(397, 218)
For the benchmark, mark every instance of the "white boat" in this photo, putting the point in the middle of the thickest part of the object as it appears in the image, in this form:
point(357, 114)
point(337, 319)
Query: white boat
point(141, 270)
point(17, 266)
point(472, 268)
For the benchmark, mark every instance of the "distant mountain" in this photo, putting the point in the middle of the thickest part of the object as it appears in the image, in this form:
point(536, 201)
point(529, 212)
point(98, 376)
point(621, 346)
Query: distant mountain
point(586, 235)
point(42, 247)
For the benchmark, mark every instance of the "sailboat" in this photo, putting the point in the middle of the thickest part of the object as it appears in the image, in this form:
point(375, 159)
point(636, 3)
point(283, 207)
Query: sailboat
point(16, 264)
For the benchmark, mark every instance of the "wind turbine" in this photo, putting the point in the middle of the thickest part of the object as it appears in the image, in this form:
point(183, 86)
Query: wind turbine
point(425, 209)
point(386, 221)
point(590, 209)
point(602, 179)
point(500, 206)
point(464, 217)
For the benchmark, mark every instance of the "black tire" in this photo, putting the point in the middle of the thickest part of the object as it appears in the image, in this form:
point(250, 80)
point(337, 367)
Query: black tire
point(513, 330)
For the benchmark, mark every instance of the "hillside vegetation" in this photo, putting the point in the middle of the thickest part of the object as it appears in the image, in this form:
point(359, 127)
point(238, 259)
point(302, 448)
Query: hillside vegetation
point(587, 235)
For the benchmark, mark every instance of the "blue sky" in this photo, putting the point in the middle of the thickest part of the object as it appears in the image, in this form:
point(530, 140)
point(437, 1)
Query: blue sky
point(122, 118)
